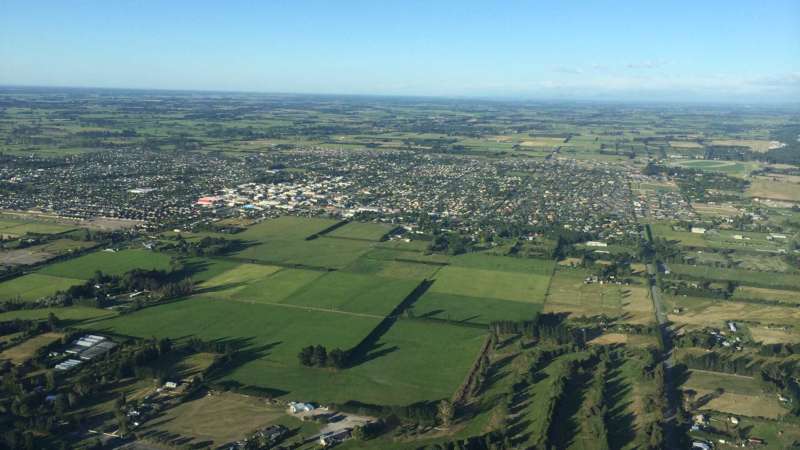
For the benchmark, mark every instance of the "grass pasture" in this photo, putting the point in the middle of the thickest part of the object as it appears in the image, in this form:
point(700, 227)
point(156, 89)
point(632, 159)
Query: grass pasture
point(568, 293)
point(34, 286)
point(369, 231)
point(757, 145)
point(742, 395)
point(483, 283)
point(318, 253)
point(749, 292)
point(274, 288)
point(70, 316)
point(773, 280)
point(354, 293)
point(111, 263)
point(27, 349)
point(413, 361)
point(773, 189)
point(14, 227)
point(392, 269)
point(702, 312)
point(285, 228)
point(239, 278)
point(222, 418)
point(461, 308)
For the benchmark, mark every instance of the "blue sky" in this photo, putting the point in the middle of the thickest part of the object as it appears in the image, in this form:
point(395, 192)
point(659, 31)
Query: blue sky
point(626, 50)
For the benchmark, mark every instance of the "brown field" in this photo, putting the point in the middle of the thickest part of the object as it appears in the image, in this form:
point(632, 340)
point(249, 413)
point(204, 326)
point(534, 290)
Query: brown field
point(767, 294)
point(222, 417)
point(542, 142)
point(771, 335)
point(41, 253)
point(568, 293)
point(772, 188)
point(757, 145)
point(699, 313)
point(715, 210)
point(742, 395)
point(610, 338)
point(27, 349)
point(684, 144)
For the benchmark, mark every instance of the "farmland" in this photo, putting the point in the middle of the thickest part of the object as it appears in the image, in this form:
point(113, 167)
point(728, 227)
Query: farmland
point(34, 286)
point(111, 263)
point(463, 270)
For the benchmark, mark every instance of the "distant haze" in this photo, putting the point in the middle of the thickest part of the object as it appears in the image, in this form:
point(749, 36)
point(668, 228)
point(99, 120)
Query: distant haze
point(720, 51)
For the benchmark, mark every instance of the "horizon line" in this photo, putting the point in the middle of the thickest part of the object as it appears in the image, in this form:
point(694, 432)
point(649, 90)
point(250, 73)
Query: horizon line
point(463, 97)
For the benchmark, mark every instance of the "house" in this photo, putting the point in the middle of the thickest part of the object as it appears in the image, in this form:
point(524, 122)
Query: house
point(297, 407)
point(596, 244)
point(170, 385)
point(334, 437)
point(734, 420)
point(698, 230)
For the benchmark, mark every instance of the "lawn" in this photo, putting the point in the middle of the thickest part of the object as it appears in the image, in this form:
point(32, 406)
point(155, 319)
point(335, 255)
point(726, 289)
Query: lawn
point(111, 263)
point(34, 286)
point(513, 286)
point(362, 230)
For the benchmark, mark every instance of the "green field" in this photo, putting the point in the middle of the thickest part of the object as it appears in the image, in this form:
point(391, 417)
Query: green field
point(71, 316)
point(21, 227)
point(34, 286)
point(513, 286)
point(288, 228)
point(392, 269)
point(404, 366)
point(503, 263)
point(355, 293)
point(320, 252)
point(759, 279)
point(271, 289)
point(461, 308)
point(110, 263)
point(362, 230)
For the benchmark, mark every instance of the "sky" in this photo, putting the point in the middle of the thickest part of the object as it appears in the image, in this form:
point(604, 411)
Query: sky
point(669, 50)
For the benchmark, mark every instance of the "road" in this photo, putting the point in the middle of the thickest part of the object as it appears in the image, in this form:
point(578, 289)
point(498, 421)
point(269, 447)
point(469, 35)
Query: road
point(672, 392)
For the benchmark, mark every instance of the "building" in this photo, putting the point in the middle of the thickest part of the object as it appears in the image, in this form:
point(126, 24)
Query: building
point(698, 230)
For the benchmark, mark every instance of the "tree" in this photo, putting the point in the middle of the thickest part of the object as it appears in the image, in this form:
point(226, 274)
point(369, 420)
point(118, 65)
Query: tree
point(337, 358)
point(306, 356)
point(445, 413)
point(320, 358)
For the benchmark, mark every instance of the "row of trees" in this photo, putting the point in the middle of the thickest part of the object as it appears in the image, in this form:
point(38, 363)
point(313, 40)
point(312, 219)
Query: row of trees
point(319, 356)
